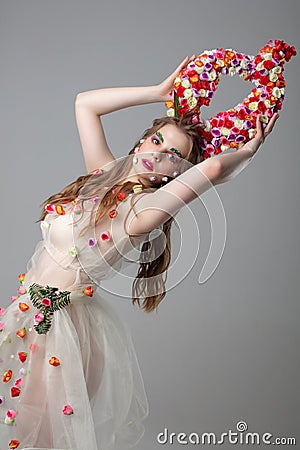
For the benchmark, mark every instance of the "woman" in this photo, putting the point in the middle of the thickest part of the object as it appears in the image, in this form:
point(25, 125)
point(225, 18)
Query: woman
point(71, 379)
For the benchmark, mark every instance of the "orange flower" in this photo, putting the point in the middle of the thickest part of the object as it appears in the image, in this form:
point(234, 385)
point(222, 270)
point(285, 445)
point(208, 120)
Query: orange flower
point(14, 443)
point(21, 333)
point(88, 291)
point(60, 210)
point(7, 376)
point(54, 361)
point(113, 213)
point(170, 104)
point(23, 307)
point(21, 277)
point(194, 78)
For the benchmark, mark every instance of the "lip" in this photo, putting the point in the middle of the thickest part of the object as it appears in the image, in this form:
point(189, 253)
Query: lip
point(148, 164)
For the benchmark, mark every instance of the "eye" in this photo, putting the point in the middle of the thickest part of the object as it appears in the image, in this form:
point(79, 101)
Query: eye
point(155, 140)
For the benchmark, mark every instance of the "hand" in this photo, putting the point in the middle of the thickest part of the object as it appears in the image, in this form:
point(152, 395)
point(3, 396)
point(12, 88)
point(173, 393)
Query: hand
point(262, 131)
point(166, 86)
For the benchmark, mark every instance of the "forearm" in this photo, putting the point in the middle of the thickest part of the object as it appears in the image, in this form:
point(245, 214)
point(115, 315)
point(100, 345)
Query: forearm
point(105, 101)
point(231, 164)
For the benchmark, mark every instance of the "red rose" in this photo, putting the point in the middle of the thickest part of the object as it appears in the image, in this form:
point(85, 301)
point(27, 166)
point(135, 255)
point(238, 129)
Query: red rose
point(180, 91)
point(269, 64)
point(22, 356)
point(15, 391)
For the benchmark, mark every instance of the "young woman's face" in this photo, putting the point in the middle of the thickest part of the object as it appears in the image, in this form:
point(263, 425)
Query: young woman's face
point(163, 153)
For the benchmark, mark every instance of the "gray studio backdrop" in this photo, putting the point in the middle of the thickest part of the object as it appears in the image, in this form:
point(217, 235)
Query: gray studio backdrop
point(215, 353)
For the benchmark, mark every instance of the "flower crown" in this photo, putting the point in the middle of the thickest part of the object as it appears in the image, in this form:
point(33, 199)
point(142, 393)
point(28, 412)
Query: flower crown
point(197, 82)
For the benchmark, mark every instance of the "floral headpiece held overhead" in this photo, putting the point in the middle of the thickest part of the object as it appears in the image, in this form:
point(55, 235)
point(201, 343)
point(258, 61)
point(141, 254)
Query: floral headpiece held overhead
point(197, 82)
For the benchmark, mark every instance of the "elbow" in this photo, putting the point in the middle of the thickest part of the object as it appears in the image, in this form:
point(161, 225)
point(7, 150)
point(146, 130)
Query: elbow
point(217, 171)
point(78, 98)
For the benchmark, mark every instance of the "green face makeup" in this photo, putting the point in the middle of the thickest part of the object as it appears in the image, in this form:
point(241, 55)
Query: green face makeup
point(160, 136)
point(176, 151)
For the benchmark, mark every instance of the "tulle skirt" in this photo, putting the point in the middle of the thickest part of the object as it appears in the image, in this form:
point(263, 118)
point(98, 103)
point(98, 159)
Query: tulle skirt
point(78, 386)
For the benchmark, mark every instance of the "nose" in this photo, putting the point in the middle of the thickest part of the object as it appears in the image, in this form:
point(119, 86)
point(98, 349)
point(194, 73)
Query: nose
point(156, 156)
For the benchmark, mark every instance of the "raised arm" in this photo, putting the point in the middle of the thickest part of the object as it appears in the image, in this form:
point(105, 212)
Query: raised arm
point(153, 209)
point(91, 105)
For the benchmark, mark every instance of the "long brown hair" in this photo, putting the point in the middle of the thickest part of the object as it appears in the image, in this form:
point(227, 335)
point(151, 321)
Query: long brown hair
point(111, 182)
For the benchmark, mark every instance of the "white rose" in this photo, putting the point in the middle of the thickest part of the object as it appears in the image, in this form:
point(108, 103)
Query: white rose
point(268, 56)
point(253, 106)
point(225, 147)
point(192, 102)
point(177, 80)
point(220, 62)
point(259, 66)
point(268, 103)
point(243, 64)
point(264, 118)
point(208, 126)
point(273, 77)
point(199, 70)
point(188, 93)
point(225, 131)
point(251, 133)
point(186, 83)
point(202, 93)
point(232, 71)
point(212, 75)
point(170, 112)
point(276, 69)
point(238, 123)
point(282, 90)
point(276, 92)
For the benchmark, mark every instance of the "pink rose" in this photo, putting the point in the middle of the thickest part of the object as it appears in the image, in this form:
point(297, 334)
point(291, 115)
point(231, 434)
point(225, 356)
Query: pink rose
point(38, 318)
point(33, 347)
point(21, 290)
point(67, 410)
point(2, 311)
point(18, 382)
point(11, 414)
point(46, 301)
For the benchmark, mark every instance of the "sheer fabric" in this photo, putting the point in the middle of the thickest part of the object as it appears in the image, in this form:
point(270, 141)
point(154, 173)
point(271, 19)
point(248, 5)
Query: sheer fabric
point(98, 378)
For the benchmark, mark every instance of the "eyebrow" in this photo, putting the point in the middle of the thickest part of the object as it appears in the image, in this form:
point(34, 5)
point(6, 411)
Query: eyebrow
point(160, 136)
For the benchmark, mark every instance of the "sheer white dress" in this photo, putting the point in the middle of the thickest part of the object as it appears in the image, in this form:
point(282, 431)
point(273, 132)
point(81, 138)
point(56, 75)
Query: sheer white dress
point(78, 386)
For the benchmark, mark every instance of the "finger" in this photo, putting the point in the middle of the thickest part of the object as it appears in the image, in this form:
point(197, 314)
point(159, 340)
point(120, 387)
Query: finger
point(271, 123)
point(180, 66)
